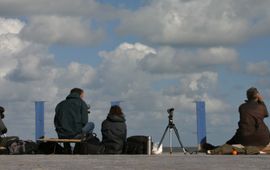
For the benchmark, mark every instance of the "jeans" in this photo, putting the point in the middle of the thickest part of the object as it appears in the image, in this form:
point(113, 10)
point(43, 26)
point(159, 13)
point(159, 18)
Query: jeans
point(88, 128)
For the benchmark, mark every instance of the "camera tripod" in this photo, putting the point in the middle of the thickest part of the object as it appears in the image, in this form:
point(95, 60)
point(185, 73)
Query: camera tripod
point(171, 126)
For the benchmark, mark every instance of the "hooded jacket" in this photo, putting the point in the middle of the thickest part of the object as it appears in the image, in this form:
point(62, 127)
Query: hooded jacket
point(114, 134)
point(252, 131)
point(70, 116)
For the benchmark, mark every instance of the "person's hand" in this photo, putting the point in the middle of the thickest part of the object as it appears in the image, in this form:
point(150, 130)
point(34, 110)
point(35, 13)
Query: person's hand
point(260, 97)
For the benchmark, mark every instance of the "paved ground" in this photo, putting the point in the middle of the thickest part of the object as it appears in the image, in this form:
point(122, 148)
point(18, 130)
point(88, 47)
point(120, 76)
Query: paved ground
point(123, 162)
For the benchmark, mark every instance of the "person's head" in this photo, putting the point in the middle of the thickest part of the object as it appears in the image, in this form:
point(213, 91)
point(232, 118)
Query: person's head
point(116, 110)
point(252, 93)
point(77, 91)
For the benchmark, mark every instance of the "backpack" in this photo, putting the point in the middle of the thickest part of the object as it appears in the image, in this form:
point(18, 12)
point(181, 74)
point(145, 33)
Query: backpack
point(16, 147)
point(137, 145)
point(91, 145)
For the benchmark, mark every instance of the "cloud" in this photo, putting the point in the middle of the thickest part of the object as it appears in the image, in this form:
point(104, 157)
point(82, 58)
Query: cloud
point(28, 74)
point(261, 68)
point(10, 44)
point(120, 77)
point(170, 60)
point(86, 8)
point(74, 75)
point(196, 22)
point(11, 26)
point(33, 75)
point(61, 30)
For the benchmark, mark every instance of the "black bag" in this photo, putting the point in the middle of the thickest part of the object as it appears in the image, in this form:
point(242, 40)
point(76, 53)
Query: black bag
point(50, 148)
point(91, 145)
point(136, 145)
point(22, 147)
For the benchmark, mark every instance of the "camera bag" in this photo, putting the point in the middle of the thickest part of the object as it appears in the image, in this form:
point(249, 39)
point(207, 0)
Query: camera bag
point(136, 145)
point(91, 145)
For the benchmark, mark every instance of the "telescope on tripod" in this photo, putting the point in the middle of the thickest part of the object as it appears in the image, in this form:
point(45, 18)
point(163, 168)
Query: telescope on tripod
point(171, 126)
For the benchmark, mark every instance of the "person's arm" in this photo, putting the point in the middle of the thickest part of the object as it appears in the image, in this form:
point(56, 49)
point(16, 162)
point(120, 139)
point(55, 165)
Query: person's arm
point(84, 113)
point(260, 101)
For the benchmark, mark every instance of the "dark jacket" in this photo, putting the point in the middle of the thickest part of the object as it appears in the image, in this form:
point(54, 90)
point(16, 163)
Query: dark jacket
point(70, 116)
point(114, 134)
point(252, 131)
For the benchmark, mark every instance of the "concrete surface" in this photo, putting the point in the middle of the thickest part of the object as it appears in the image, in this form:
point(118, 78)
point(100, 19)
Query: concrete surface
point(123, 162)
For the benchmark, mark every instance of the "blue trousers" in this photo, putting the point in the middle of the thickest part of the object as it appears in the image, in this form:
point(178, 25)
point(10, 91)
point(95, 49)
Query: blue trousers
point(88, 128)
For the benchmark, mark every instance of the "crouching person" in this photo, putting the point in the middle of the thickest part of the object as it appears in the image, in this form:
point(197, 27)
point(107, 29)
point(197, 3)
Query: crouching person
point(114, 131)
point(71, 118)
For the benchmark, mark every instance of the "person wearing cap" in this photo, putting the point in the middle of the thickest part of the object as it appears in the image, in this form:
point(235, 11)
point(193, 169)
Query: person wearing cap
point(252, 131)
point(71, 118)
point(114, 130)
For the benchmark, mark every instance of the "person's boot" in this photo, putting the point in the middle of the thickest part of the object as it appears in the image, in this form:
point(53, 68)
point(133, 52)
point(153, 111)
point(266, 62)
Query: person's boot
point(84, 137)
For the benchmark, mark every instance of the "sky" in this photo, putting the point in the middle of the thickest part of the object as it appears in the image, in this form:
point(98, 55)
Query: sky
point(150, 54)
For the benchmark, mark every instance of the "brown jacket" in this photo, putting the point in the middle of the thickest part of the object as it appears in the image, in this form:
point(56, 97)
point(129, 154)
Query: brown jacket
point(252, 131)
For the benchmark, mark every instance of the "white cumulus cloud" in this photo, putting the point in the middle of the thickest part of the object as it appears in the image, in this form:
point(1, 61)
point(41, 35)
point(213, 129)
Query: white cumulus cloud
point(170, 60)
point(197, 22)
point(261, 68)
point(61, 30)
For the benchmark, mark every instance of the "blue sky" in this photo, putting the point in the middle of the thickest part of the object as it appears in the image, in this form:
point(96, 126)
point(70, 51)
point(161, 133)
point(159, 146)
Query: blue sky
point(151, 54)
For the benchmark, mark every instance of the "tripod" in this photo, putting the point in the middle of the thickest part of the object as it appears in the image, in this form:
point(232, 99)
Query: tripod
point(171, 126)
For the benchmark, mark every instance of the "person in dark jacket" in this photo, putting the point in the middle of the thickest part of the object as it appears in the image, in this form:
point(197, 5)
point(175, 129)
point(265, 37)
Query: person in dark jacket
point(3, 128)
point(252, 131)
point(114, 131)
point(71, 117)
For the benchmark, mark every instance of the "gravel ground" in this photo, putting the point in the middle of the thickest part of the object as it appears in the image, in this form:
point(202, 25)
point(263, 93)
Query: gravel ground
point(123, 162)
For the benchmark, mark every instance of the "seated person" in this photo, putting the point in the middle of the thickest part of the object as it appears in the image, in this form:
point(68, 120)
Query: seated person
point(3, 128)
point(71, 118)
point(114, 131)
point(252, 131)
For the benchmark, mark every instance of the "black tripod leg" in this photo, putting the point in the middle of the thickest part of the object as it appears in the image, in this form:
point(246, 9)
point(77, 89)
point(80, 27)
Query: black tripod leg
point(178, 137)
point(163, 136)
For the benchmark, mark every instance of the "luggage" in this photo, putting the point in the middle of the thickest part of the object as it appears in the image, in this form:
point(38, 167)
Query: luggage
point(91, 145)
point(3, 144)
point(137, 145)
point(50, 148)
point(16, 147)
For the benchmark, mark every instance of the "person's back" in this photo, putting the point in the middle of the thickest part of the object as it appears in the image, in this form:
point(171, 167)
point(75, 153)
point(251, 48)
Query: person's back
point(69, 118)
point(114, 131)
point(252, 129)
